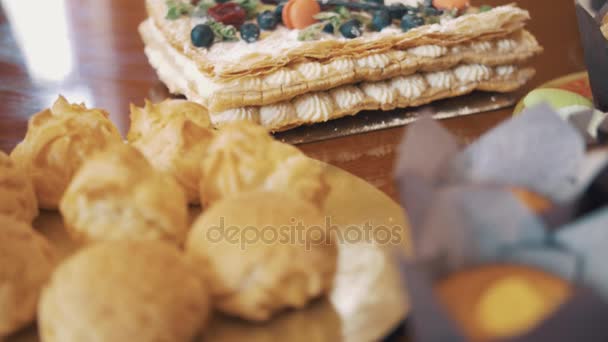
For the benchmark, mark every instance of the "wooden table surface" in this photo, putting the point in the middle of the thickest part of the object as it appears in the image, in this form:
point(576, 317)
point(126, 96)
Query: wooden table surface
point(89, 50)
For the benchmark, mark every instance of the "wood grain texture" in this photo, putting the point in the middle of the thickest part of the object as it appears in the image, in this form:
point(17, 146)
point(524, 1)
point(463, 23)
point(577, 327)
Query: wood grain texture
point(90, 51)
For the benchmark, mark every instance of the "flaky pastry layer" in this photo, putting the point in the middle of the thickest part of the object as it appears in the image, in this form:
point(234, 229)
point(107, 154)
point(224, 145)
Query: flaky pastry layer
point(276, 49)
point(399, 92)
point(177, 71)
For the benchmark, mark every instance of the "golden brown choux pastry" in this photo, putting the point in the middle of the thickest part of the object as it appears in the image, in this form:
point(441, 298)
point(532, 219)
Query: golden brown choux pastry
point(261, 252)
point(501, 301)
point(174, 136)
point(123, 291)
point(26, 263)
point(17, 196)
point(154, 116)
point(118, 195)
point(244, 157)
point(58, 140)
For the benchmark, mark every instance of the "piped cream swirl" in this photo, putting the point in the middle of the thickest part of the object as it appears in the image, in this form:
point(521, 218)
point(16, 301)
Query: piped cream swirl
point(440, 79)
point(314, 107)
point(347, 97)
point(379, 91)
point(505, 70)
point(374, 61)
point(409, 86)
point(310, 70)
point(237, 114)
point(342, 65)
point(431, 51)
point(472, 73)
point(484, 46)
point(282, 77)
point(506, 45)
point(278, 114)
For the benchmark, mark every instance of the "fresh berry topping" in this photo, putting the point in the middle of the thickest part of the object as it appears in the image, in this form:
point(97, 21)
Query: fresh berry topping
point(202, 35)
point(451, 4)
point(329, 28)
point(250, 32)
point(278, 12)
point(381, 19)
point(431, 11)
point(300, 14)
point(228, 14)
point(398, 10)
point(351, 29)
point(410, 21)
point(267, 20)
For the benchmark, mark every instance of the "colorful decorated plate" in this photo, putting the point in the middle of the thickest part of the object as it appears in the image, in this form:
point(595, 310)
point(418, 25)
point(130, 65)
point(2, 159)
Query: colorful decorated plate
point(577, 83)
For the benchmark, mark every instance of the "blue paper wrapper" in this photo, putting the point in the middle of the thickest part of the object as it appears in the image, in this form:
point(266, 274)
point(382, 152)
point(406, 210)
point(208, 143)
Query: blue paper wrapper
point(463, 213)
point(589, 14)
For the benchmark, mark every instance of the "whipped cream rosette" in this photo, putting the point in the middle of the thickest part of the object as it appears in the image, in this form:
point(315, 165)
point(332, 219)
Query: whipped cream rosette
point(489, 265)
point(306, 62)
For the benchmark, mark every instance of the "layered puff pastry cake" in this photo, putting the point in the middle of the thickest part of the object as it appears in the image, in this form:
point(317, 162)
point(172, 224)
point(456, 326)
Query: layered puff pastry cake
point(118, 195)
point(27, 260)
point(124, 291)
point(312, 62)
point(58, 140)
point(17, 196)
point(174, 135)
point(243, 157)
point(279, 254)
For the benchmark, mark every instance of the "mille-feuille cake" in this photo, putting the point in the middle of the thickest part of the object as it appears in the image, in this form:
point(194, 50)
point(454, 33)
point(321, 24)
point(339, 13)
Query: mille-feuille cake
point(304, 61)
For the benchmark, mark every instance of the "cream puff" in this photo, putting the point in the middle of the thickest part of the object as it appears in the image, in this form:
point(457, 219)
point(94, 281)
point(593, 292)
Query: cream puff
point(124, 291)
point(58, 140)
point(244, 157)
point(262, 252)
point(118, 195)
point(174, 135)
point(27, 260)
point(17, 196)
